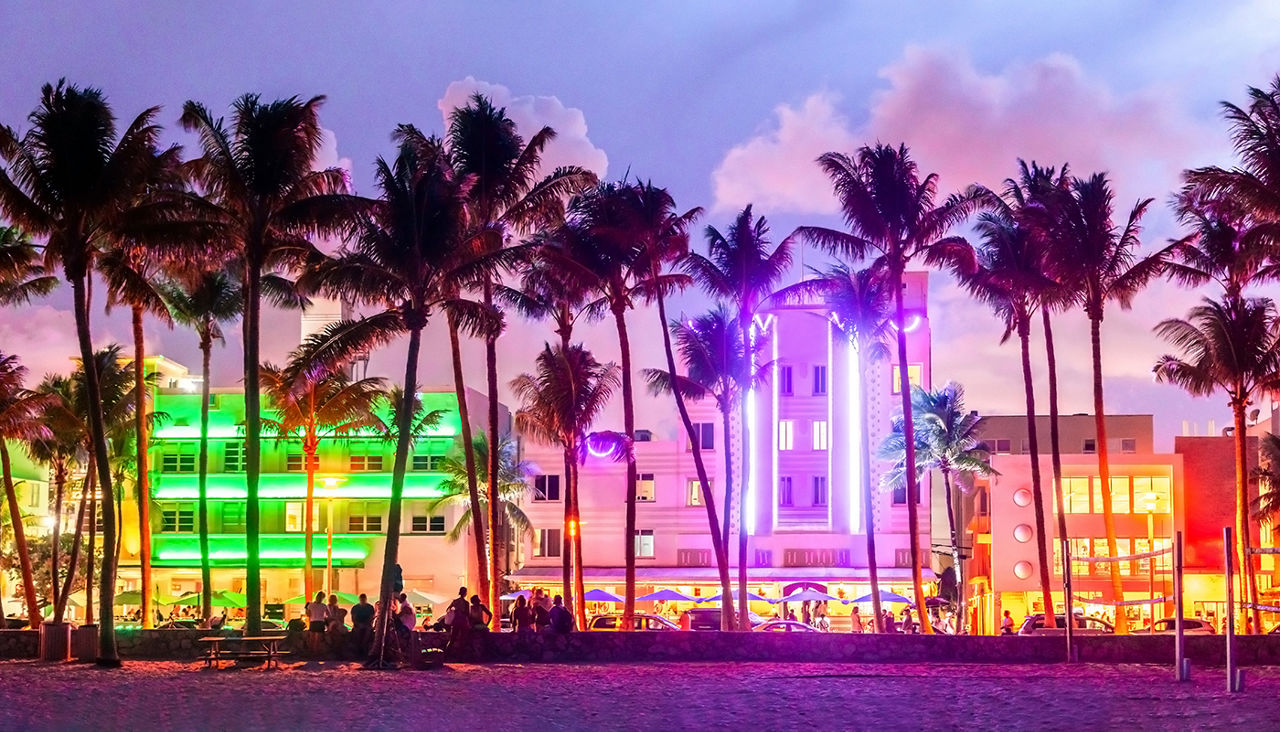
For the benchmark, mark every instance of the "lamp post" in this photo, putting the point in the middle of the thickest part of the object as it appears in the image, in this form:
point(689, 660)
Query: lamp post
point(330, 488)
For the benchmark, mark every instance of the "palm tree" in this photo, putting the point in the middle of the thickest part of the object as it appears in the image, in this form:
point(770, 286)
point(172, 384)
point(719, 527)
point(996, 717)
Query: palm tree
point(893, 216)
point(22, 277)
point(948, 439)
point(313, 402)
point(205, 303)
point(710, 349)
point(1266, 507)
point(1009, 279)
point(1226, 245)
point(70, 180)
point(740, 269)
point(22, 420)
point(265, 198)
point(513, 484)
point(1099, 263)
point(61, 447)
point(1253, 184)
point(1232, 346)
point(405, 260)
point(559, 402)
point(507, 199)
point(859, 302)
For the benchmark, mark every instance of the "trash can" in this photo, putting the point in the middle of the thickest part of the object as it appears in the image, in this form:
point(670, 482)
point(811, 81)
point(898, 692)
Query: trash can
point(84, 642)
point(55, 641)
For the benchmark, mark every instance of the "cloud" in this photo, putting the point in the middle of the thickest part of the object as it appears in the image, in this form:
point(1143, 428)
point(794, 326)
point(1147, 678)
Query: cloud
point(571, 146)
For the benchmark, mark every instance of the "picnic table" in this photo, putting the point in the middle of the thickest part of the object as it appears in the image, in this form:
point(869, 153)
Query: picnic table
point(248, 647)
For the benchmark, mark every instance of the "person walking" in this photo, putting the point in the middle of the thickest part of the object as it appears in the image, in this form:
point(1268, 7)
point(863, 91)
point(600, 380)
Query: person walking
point(561, 620)
point(522, 617)
point(362, 614)
point(856, 621)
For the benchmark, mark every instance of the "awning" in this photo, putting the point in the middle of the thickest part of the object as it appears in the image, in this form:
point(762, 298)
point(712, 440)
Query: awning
point(710, 575)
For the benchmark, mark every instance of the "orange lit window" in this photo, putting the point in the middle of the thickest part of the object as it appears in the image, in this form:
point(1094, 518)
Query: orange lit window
point(915, 372)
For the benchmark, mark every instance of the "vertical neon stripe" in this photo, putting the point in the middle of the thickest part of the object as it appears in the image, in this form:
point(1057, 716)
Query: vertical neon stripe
point(831, 483)
point(773, 488)
point(856, 437)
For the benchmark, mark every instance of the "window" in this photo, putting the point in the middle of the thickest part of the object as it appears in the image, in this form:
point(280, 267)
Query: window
point(982, 502)
point(819, 490)
point(1151, 495)
point(784, 492)
point(1026, 445)
point(295, 512)
point(706, 436)
point(1128, 445)
point(819, 434)
point(1119, 495)
point(1089, 447)
point(548, 543)
point(1002, 446)
point(644, 543)
point(694, 492)
point(820, 380)
point(915, 374)
point(179, 518)
point(232, 517)
point(900, 494)
point(645, 488)
point(178, 459)
point(429, 463)
point(366, 459)
point(293, 461)
point(1075, 492)
point(364, 517)
point(546, 488)
point(786, 434)
point(784, 380)
point(427, 524)
point(233, 457)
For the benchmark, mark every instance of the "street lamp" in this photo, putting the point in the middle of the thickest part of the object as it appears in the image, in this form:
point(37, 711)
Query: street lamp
point(330, 488)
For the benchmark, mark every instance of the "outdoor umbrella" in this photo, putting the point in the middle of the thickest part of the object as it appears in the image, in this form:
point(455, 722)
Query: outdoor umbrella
point(599, 595)
point(808, 595)
point(218, 598)
point(751, 596)
point(669, 595)
point(128, 597)
point(885, 596)
point(513, 595)
point(418, 597)
point(345, 598)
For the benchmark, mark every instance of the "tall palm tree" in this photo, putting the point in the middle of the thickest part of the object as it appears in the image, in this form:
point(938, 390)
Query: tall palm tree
point(948, 436)
point(205, 302)
point(560, 400)
point(1226, 246)
point(264, 197)
point(507, 199)
point(1233, 346)
point(710, 350)
point(513, 484)
point(70, 180)
point(1009, 278)
point(740, 269)
point(893, 217)
point(61, 447)
point(405, 261)
point(22, 420)
point(314, 402)
point(1254, 183)
point(1100, 263)
point(22, 277)
point(859, 302)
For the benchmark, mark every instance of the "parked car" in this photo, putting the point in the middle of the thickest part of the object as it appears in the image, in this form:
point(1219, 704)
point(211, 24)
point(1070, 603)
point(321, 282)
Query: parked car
point(1190, 626)
point(613, 621)
point(708, 618)
point(785, 626)
point(1084, 625)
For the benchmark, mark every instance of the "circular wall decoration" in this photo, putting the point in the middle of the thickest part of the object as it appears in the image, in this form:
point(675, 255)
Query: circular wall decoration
point(1023, 533)
point(1023, 569)
point(1022, 497)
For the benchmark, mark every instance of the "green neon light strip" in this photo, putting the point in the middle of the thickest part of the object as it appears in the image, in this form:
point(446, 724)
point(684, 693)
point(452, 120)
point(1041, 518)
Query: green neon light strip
point(185, 556)
point(277, 550)
point(170, 486)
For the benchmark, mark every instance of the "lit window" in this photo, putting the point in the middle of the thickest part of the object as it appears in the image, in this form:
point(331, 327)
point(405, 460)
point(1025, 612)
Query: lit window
point(915, 372)
point(546, 488)
point(364, 517)
point(694, 492)
point(819, 380)
point(819, 434)
point(1128, 445)
point(1151, 495)
point(784, 492)
point(819, 490)
point(706, 436)
point(1075, 492)
point(644, 543)
point(549, 543)
point(233, 457)
point(1119, 495)
point(645, 488)
point(232, 517)
point(784, 380)
point(179, 518)
point(295, 511)
point(786, 434)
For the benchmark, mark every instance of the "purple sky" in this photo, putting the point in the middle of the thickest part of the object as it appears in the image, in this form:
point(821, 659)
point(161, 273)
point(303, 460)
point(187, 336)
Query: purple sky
point(722, 103)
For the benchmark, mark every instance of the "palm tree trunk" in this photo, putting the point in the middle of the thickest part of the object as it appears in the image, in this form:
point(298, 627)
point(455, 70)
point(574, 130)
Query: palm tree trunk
point(143, 482)
point(566, 543)
point(308, 521)
point(108, 654)
point(579, 584)
point(957, 562)
point(93, 547)
point(629, 428)
point(55, 544)
point(868, 501)
point(491, 384)
point(74, 559)
point(404, 438)
point(1104, 473)
point(909, 436)
point(1055, 447)
point(252, 445)
point(1037, 495)
point(1242, 518)
point(700, 467)
point(19, 538)
point(469, 457)
point(202, 509)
